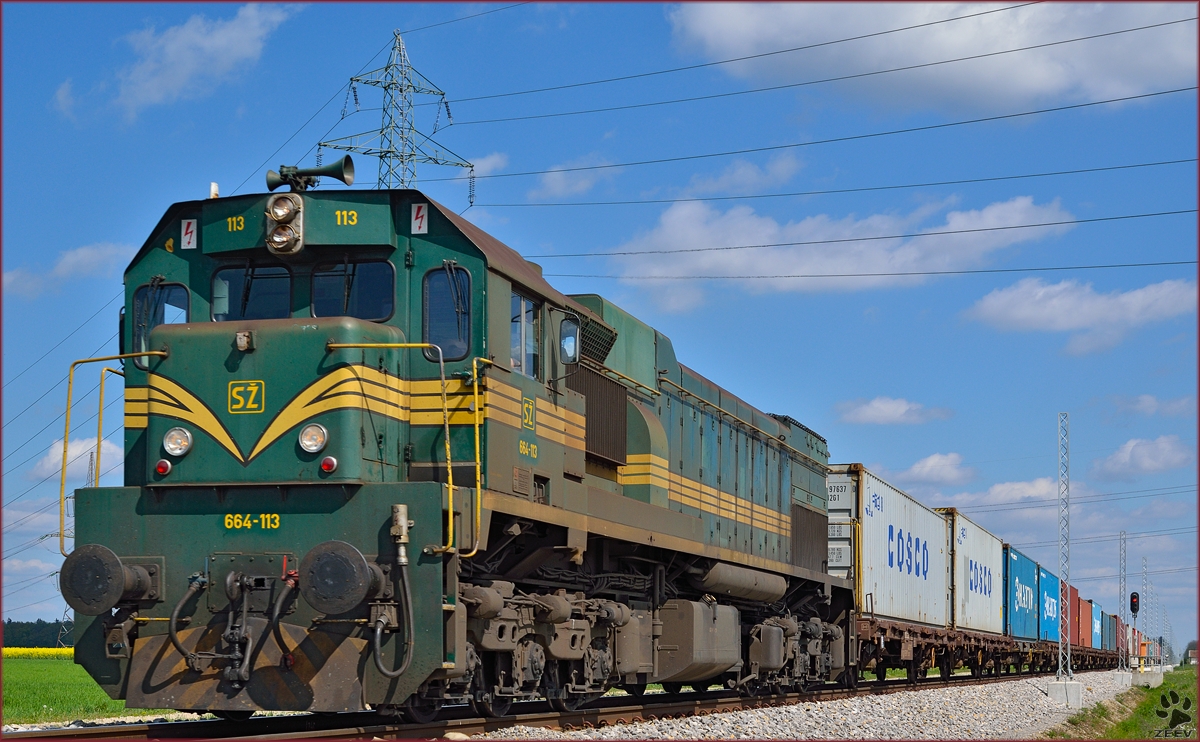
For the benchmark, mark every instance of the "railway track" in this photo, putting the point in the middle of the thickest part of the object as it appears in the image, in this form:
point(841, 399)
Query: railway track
point(614, 710)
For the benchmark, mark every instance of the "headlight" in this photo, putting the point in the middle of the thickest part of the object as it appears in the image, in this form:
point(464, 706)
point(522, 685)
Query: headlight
point(313, 438)
point(177, 441)
point(282, 238)
point(283, 208)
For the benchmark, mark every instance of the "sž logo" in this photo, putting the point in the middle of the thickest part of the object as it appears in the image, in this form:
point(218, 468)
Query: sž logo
point(908, 553)
point(1023, 595)
point(981, 578)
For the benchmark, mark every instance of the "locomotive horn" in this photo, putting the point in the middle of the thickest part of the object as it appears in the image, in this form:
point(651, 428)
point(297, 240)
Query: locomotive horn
point(301, 179)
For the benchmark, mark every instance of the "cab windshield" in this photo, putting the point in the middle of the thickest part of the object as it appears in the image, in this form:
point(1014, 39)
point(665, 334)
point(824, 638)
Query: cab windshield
point(251, 292)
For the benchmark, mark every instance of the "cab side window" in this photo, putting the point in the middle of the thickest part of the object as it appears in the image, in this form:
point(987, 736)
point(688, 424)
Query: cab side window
point(153, 305)
point(526, 333)
point(447, 304)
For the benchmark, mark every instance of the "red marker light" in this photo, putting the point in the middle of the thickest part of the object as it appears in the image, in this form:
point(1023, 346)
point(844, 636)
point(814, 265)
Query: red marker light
point(163, 467)
point(328, 464)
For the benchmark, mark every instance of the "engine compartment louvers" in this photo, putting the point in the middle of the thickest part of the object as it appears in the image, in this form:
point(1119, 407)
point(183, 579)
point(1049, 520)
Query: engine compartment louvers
point(596, 340)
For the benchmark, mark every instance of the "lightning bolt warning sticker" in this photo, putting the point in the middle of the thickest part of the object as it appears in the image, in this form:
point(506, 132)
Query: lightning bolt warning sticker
point(420, 219)
point(187, 237)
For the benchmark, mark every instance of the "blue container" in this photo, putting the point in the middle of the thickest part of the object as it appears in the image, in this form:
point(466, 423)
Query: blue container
point(1022, 607)
point(1048, 621)
point(1097, 623)
point(1107, 629)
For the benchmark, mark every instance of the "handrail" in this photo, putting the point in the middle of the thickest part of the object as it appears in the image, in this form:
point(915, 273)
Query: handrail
point(62, 480)
point(722, 411)
point(600, 367)
point(449, 547)
point(100, 417)
point(478, 460)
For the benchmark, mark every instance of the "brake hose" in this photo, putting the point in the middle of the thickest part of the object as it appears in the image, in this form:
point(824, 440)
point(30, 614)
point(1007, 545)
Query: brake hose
point(286, 654)
point(194, 586)
point(382, 622)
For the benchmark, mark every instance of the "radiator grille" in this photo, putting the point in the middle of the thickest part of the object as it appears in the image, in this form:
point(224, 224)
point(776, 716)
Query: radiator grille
point(810, 535)
point(605, 431)
point(596, 340)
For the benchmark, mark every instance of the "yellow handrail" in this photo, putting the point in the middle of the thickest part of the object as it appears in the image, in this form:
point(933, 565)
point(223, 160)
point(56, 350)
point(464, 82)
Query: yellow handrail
point(62, 481)
point(100, 417)
point(478, 459)
point(449, 547)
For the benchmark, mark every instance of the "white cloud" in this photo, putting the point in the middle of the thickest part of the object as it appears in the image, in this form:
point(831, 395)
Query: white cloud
point(190, 59)
point(939, 468)
point(22, 566)
point(1099, 321)
point(103, 259)
point(746, 177)
point(562, 182)
point(1141, 456)
point(1115, 66)
point(493, 163)
point(1148, 404)
point(692, 225)
point(64, 100)
point(1004, 493)
point(889, 411)
point(77, 458)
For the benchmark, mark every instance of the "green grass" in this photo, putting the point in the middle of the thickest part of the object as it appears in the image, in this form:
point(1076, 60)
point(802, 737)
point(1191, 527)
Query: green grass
point(38, 691)
point(1144, 721)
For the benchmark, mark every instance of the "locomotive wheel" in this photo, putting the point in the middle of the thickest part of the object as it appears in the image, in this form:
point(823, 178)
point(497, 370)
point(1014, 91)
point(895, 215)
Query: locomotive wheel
point(672, 688)
point(232, 715)
point(421, 710)
point(492, 707)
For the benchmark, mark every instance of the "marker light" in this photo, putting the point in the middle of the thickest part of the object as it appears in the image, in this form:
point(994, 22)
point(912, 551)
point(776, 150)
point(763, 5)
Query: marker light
point(329, 464)
point(163, 467)
point(283, 208)
point(282, 238)
point(177, 442)
point(313, 438)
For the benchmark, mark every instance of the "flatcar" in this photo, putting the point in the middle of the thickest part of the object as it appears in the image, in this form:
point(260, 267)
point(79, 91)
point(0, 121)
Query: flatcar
point(373, 460)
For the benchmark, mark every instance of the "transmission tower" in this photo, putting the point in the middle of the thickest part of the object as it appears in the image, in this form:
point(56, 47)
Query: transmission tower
point(1122, 661)
point(65, 627)
point(398, 144)
point(1064, 547)
point(1145, 597)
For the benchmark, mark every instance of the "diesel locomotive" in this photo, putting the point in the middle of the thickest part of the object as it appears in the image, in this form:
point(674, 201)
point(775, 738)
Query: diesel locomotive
point(373, 460)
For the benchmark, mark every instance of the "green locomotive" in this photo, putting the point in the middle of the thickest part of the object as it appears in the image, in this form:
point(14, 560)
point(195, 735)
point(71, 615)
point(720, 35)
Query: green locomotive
point(374, 460)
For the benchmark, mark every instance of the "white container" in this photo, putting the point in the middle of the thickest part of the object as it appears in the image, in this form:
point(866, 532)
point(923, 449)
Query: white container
point(890, 545)
point(978, 575)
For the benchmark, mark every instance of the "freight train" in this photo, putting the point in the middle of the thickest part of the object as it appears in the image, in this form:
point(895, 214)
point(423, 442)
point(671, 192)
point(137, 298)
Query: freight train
point(374, 460)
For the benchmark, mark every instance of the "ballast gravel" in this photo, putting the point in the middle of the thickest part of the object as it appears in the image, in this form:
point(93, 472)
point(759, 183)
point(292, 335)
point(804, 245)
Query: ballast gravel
point(1016, 709)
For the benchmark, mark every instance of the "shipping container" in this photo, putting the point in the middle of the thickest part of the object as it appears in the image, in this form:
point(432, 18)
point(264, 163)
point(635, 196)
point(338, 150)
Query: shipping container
point(1082, 620)
point(1022, 601)
point(976, 575)
point(1110, 641)
point(1072, 609)
point(1097, 625)
point(1119, 634)
point(890, 545)
point(1048, 622)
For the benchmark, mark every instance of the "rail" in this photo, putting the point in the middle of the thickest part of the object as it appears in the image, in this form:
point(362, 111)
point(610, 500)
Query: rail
point(449, 547)
point(62, 480)
point(824, 468)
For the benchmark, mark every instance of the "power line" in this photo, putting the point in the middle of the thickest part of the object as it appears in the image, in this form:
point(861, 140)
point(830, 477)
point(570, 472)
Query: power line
point(736, 59)
point(68, 337)
point(1112, 537)
point(788, 86)
point(863, 189)
point(894, 274)
point(910, 235)
point(1151, 572)
point(1049, 502)
point(849, 138)
point(75, 429)
point(56, 385)
point(28, 605)
point(53, 474)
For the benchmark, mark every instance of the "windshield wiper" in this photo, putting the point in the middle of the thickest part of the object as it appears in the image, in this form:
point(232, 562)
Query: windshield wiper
point(348, 274)
point(247, 281)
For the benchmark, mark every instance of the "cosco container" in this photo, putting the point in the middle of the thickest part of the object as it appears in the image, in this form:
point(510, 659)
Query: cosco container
point(890, 545)
point(1022, 600)
point(976, 575)
point(1083, 621)
point(1049, 620)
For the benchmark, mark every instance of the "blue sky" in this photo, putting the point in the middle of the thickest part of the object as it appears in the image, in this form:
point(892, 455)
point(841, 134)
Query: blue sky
point(949, 385)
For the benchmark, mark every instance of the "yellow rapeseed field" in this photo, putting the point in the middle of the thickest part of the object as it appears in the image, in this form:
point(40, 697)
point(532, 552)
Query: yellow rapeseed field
point(38, 653)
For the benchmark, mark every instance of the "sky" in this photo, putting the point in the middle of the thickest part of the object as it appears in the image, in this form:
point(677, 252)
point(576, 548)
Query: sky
point(764, 184)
